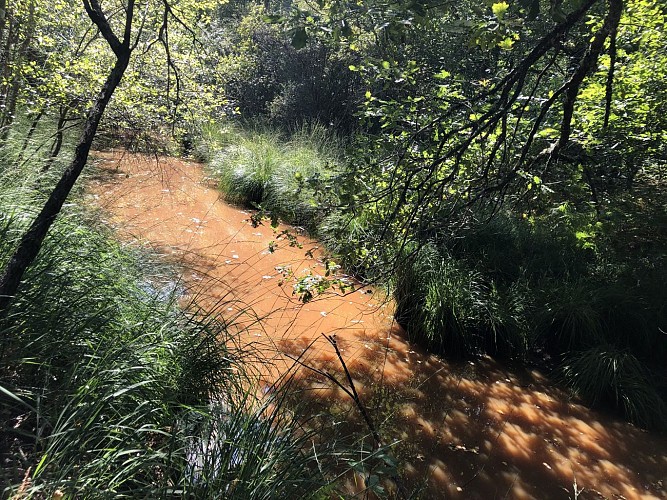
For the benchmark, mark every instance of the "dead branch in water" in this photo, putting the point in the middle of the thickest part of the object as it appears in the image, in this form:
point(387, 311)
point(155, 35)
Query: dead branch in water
point(351, 391)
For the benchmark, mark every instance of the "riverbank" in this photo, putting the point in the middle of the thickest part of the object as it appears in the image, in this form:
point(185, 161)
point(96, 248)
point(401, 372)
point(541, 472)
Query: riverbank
point(466, 430)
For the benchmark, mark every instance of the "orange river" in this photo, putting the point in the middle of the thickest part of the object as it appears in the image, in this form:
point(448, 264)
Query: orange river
point(469, 430)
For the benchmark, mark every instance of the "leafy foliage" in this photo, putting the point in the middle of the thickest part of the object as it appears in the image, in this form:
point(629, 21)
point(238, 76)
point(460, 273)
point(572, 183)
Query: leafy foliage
point(265, 76)
point(505, 177)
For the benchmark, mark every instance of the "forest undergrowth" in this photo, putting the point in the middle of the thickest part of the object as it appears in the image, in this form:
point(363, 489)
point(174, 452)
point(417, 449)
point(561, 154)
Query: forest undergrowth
point(498, 167)
point(579, 298)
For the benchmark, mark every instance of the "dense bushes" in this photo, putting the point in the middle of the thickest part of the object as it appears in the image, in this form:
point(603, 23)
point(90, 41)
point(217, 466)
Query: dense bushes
point(532, 290)
point(264, 77)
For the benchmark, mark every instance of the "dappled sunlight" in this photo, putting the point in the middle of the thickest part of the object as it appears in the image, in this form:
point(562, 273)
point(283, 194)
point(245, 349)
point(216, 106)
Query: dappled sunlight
point(469, 429)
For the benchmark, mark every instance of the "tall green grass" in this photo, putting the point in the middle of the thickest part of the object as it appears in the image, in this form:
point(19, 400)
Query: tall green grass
point(260, 168)
point(447, 305)
point(109, 390)
point(615, 377)
point(530, 291)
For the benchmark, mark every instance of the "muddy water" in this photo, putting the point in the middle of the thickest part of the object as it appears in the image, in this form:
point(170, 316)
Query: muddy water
point(467, 430)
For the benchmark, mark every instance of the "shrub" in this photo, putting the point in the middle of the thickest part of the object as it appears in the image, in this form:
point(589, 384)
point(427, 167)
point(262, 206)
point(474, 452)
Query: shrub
point(610, 376)
point(509, 248)
point(518, 290)
point(352, 240)
point(265, 77)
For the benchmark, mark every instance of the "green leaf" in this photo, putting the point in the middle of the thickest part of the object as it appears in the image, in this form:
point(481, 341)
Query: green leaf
point(273, 18)
point(40, 465)
point(499, 9)
point(506, 44)
point(300, 38)
point(13, 396)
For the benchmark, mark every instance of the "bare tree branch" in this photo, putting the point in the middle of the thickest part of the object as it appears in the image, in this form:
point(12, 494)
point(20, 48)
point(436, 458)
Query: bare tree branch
point(97, 16)
point(588, 63)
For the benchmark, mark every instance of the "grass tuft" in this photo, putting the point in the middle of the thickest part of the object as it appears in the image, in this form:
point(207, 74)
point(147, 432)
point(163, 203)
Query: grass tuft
point(608, 376)
point(258, 168)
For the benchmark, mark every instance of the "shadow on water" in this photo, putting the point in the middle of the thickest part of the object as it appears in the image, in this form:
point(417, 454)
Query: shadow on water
point(463, 430)
point(476, 430)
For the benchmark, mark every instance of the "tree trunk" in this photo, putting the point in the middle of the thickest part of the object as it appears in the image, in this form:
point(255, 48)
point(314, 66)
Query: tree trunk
point(58, 141)
point(17, 77)
point(35, 118)
point(32, 240)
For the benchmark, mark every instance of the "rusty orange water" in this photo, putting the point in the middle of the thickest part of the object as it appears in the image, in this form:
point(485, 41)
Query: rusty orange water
point(466, 430)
